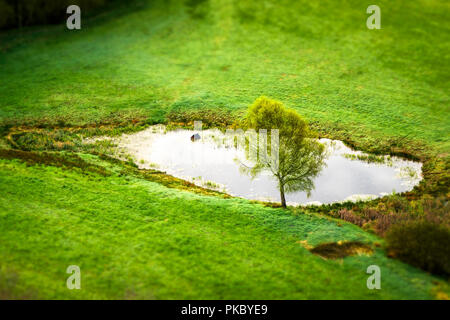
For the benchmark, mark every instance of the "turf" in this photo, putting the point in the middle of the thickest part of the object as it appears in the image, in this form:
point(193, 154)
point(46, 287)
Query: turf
point(133, 240)
point(150, 57)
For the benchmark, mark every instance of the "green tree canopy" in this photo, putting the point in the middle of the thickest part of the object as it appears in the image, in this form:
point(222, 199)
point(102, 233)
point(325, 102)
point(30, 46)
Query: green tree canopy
point(300, 156)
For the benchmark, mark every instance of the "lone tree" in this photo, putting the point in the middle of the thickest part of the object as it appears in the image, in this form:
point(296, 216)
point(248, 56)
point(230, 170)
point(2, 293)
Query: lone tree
point(300, 156)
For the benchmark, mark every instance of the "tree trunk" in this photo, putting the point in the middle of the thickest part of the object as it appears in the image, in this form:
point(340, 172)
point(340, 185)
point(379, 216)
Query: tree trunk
point(283, 199)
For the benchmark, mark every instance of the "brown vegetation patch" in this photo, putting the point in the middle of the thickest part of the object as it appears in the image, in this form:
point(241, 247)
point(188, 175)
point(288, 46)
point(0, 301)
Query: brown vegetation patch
point(68, 161)
point(337, 250)
point(422, 243)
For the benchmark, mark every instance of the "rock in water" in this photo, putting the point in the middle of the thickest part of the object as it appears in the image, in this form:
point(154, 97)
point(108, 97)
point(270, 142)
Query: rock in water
point(195, 137)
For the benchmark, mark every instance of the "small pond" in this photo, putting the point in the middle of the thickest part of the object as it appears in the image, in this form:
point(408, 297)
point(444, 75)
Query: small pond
point(211, 163)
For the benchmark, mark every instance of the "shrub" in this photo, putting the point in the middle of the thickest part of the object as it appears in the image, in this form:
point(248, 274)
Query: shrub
point(350, 216)
point(6, 14)
point(421, 243)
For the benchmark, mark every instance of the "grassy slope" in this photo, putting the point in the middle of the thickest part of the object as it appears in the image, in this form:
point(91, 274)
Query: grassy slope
point(132, 239)
point(320, 59)
point(146, 60)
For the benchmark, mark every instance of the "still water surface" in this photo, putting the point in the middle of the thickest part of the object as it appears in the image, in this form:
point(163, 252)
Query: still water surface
point(211, 163)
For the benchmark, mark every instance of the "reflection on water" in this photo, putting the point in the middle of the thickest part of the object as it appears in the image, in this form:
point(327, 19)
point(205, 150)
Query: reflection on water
point(211, 163)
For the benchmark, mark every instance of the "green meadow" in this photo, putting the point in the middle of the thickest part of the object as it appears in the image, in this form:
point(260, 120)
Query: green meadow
point(148, 58)
point(143, 61)
point(132, 239)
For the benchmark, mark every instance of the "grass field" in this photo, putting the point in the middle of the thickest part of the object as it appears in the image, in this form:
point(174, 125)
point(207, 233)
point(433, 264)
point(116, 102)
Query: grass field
point(134, 238)
point(149, 58)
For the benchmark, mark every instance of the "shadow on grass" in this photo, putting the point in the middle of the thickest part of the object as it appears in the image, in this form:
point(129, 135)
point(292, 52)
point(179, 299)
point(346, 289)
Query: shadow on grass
point(337, 250)
point(14, 38)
